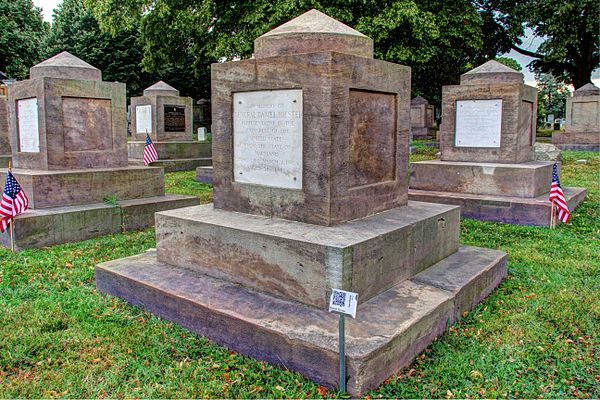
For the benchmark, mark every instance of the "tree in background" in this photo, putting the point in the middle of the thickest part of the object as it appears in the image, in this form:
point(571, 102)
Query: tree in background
point(552, 96)
point(119, 57)
point(439, 39)
point(570, 50)
point(22, 30)
point(510, 62)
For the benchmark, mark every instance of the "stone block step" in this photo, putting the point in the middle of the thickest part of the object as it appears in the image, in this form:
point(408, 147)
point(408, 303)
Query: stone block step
point(389, 331)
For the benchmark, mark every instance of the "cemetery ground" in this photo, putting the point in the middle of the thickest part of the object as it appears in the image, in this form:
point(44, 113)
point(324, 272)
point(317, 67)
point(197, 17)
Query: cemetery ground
point(535, 336)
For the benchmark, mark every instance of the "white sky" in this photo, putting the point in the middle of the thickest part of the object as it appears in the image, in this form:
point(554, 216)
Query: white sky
point(47, 7)
point(529, 43)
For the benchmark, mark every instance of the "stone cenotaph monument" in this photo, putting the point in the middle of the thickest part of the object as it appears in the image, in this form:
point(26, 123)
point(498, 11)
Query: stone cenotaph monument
point(310, 153)
point(582, 131)
point(487, 161)
point(421, 119)
point(5, 149)
point(70, 156)
point(167, 118)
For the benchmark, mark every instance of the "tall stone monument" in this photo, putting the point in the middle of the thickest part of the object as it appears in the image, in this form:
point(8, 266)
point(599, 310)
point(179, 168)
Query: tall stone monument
point(167, 118)
point(311, 178)
point(421, 119)
point(70, 156)
point(487, 161)
point(582, 131)
point(5, 149)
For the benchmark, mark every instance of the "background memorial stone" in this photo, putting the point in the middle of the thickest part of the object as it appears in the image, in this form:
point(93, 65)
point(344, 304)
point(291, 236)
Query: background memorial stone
point(422, 118)
point(582, 130)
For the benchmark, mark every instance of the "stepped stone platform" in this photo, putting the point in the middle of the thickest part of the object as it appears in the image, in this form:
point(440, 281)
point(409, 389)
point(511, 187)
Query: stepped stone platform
point(174, 155)
point(264, 293)
point(579, 141)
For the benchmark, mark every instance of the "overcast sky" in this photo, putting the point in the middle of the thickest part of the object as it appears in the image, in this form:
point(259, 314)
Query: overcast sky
point(47, 7)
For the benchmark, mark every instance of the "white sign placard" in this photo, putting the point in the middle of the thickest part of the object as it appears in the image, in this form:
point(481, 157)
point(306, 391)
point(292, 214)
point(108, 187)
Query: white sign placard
point(478, 123)
point(29, 131)
point(202, 134)
point(143, 119)
point(343, 302)
point(267, 138)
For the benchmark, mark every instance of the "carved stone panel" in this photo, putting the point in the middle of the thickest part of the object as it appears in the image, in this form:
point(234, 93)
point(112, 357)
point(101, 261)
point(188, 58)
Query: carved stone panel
point(87, 124)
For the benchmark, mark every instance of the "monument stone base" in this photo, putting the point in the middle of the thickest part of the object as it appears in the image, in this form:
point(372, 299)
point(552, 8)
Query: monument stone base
point(578, 141)
point(260, 285)
point(205, 175)
point(4, 160)
point(173, 156)
point(423, 133)
point(535, 211)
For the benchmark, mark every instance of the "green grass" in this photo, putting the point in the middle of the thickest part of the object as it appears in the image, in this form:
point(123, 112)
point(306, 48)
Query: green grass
point(184, 182)
point(536, 336)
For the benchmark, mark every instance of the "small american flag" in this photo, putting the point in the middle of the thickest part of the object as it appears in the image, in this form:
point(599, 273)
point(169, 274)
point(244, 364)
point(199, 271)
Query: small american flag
point(14, 201)
point(150, 154)
point(557, 197)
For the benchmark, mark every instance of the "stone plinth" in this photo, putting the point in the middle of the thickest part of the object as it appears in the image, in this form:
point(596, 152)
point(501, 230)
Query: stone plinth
point(582, 131)
point(161, 112)
point(174, 156)
point(64, 122)
point(355, 118)
point(490, 117)
point(488, 150)
point(205, 175)
point(421, 119)
point(310, 151)
point(70, 158)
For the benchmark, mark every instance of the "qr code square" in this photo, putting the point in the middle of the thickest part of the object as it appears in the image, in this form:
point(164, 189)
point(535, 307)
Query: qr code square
point(339, 299)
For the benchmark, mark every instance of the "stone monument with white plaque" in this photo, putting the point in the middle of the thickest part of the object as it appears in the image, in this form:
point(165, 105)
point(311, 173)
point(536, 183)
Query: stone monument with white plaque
point(422, 119)
point(69, 153)
point(5, 149)
point(310, 152)
point(167, 118)
point(487, 161)
point(582, 131)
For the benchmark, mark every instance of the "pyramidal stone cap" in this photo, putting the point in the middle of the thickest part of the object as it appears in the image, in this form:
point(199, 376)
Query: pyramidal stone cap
point(65, 66)
point(313, 32)
point(418, 101)
point(491, 72)
point(589, 89)
point(161, 88)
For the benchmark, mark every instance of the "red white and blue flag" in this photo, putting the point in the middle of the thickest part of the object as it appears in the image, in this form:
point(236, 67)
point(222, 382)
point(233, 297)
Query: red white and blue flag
point(150, 154)
point(14, 201)
point(557, 197)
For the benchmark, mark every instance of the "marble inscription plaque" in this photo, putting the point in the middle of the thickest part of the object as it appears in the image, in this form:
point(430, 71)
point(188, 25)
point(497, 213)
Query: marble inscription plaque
point(478, 123)
point(143, 119)
point(29, 132)
point(174, 119)
point(584, 115)
point(267, 138)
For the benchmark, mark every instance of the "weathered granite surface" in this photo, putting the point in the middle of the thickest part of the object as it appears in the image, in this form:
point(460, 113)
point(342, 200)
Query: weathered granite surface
point(171, 150)
point(492, 80)
point(547, 152)
point(530, 179)
point(64, 65)
point(205, 175)
point(5, 148)
point(389, 331)
point(421, 118)
point(582, 130)
point(304, 261)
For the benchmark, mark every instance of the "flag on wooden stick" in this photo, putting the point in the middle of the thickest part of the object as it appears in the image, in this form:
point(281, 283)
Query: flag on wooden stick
point(150, 154)
point(14, 201)
point(557, 197)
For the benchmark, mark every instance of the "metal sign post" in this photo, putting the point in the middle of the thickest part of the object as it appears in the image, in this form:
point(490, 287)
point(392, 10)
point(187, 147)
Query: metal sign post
point(342, 351)
point(342, 303)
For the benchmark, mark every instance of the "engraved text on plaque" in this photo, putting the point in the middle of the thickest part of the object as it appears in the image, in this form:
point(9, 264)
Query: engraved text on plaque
point(478, 123)
point(143, 119)
point(267, 138)
point(27, 120)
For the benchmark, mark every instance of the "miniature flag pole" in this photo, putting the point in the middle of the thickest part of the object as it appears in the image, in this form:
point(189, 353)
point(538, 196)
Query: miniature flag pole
point(12, 222)
point(14, 202)
point(552, 218)
point(342, 302)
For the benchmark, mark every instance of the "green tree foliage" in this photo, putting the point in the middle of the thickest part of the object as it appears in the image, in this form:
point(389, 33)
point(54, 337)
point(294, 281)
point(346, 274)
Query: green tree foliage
point(437, 38)
point(510, 62)
point(552, 96)
point(570, 50)
point(22, 30)
point(119, 57)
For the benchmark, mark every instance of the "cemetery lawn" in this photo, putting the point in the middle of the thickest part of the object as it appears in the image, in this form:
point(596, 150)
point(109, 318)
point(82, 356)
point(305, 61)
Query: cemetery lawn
point(535, 336)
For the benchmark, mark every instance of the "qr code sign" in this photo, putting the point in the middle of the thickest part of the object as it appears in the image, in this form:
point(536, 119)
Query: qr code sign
point(343, 302)
point(339, 298)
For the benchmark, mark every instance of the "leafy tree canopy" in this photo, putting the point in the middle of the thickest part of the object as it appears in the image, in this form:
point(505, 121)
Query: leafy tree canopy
point(437, 38)
point(119, 57)
point(552, 96)
point(570, 28)
point(22, 30)
point(510, 62)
